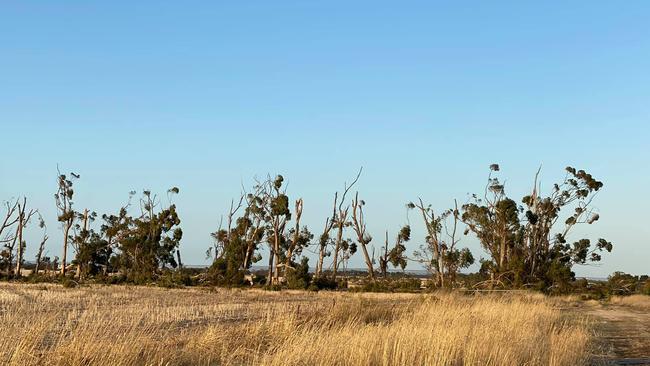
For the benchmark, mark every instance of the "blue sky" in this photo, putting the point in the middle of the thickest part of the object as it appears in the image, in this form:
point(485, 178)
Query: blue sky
point(424, 95)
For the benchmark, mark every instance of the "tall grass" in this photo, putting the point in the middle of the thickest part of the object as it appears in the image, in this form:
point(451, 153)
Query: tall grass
point(48, 325)
point(638, 302)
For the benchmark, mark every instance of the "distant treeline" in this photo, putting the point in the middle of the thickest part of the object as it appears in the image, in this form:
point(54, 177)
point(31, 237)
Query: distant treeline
point(526, 239)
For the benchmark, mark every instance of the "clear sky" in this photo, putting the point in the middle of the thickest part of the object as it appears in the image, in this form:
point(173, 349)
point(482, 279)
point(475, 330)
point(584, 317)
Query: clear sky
point(425, 95)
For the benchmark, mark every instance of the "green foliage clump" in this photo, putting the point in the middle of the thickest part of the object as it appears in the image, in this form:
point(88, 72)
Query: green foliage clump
point(323, 283)
point(176, 279)
point(225, 272)
point(69, 283)
point(523, 247)
point(621, 284)
point(299, 277)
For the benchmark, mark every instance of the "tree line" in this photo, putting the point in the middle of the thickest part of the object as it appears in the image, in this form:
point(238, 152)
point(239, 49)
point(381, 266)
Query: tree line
point(526, 240)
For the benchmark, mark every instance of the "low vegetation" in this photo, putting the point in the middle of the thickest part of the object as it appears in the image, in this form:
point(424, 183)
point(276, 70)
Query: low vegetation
point(637, 302)
point(50, 325)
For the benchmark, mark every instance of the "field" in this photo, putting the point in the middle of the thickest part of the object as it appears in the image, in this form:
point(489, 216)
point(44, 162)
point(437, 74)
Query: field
point(50, 325)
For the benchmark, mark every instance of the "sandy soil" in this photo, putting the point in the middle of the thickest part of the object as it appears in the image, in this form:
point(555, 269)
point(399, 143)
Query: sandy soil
point(623, 333)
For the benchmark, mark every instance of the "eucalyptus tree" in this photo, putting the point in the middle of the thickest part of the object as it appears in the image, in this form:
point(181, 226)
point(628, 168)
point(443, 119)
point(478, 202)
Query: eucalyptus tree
point(235, 247)
point(341, 221)
point(223, 236)
point(363, 238)
point(397, 254)
point(8, 233)
point(263, 216)
point(66, 214)
point(547, 256)
point(95, 248)
point(114, 229)
point(81, 236)
point(325, 240)
point(24, 217)
point(439, 254)
point(383, 258)
point(299, 237)
point(254, 233)
point(40, 253)
point(494, 219)
point(9, 219)
point(273, 207)
point(149, 241)
point(528, 244)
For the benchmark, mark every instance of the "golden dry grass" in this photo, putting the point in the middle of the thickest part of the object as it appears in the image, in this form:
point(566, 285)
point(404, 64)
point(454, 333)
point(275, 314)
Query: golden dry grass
point(49, 325)
point(639, 302)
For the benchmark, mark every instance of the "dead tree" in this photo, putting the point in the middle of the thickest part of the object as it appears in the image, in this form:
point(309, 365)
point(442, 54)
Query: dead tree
point(341, 222)
point(23, 218)
point(39, 254)
point(383, 259)
point(435, 246)
point(325, 239)
point(359, 224)
point(8, 233)
point(439, 255)
point(9, 219)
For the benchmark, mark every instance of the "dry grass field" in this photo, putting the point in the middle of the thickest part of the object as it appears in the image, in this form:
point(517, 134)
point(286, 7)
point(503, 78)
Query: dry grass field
point(50, 325)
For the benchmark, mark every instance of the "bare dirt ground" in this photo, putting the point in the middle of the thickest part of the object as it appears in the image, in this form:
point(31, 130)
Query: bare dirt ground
point(623, 333)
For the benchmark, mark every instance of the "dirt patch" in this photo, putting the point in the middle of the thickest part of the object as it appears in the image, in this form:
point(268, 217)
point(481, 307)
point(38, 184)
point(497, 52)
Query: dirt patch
point(623, 334)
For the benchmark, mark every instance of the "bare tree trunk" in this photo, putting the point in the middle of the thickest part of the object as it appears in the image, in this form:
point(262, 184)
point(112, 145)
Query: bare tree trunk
point(341, 222)
point(384, 261)
point(276, 251)
point(339, 238)
point(269, 278)
point(329, 224)
point(19, 256)
point(360, 228)
point(178, 257)
point(65, 248)
point(321, 258)
point(371, 271)
point(39, 255)
point(85, 237)
point(10, 258)
point(245, 264)
point(502, 252)
point(441, 268)
point(296, 237)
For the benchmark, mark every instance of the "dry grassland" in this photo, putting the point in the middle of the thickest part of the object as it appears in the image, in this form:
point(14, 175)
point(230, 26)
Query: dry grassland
point(50, 325)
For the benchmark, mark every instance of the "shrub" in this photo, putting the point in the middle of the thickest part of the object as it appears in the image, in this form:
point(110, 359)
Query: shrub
point(69, 283)
point(323, 283)
point(299, 277)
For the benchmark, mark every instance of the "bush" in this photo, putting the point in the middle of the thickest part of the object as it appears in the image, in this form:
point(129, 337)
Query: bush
point(299, 277)
point(175, 279)
point(323, 283)
point(69, 283)
point(222, 273)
